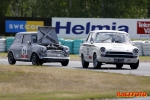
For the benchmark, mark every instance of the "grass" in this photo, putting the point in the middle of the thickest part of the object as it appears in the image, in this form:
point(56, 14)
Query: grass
point(77, 58)
point(50, 83)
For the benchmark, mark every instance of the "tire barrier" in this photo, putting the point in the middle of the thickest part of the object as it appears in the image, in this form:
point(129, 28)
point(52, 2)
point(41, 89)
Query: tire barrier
point(146, 48)
point(61, 40)
point(2, 44)
point(76, 45)
point(9, 41)
point(138, 44)
point(69, 43)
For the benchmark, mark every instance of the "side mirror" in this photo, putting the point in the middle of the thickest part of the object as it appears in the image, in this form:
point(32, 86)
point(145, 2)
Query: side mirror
point(132, 43)
point(28, 42)
point(92, 42)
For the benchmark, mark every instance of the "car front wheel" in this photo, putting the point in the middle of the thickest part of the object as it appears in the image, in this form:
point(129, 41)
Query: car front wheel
point(134, 65)
point(85, 64)
point(35, 59)
point(96, 63)
point(65, 63)
point(11, 59)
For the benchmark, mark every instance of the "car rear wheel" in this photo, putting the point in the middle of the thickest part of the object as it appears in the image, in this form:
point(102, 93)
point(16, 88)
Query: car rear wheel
point(85, 64)
point(35, 59)
point(11, 59)
point(65, 63)
point(119, 66)
point(134, 65)
point(96, 63)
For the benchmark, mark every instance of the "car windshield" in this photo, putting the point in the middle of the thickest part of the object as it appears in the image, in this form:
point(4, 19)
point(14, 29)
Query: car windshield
point(111, 37)
point(34, 38)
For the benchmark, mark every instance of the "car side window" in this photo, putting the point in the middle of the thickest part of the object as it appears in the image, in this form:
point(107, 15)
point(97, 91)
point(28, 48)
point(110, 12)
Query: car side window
point(18, 39)
point(26, 38)
point(34, 38)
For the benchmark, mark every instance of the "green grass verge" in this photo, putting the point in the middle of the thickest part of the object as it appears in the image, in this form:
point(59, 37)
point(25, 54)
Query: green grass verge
point(50, 83)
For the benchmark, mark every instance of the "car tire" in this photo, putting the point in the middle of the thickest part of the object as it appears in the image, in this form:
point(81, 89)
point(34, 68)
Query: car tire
point(134, 65)
point(96, 63)
point(119, 66)
point(35, 59)
point(40, 62)
point(85, 64)
point(65, 63)
point(11, 59)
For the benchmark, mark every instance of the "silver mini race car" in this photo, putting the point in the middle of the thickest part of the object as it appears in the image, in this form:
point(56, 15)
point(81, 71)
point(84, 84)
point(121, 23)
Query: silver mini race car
point(38, 47)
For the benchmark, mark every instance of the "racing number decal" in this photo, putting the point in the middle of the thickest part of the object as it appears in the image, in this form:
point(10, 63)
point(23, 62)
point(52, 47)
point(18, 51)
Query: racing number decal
point(24, 53)
point(87, 51)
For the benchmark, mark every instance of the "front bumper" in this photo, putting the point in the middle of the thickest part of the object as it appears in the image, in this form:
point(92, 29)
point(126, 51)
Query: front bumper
point(112, 60)
point(54, 59)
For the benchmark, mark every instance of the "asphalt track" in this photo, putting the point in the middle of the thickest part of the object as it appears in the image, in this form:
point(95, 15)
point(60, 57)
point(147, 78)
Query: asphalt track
point(143, 70)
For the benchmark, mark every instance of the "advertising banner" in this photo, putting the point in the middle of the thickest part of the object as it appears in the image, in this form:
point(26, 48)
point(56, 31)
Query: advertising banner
point(80, 27)
point(22, 26)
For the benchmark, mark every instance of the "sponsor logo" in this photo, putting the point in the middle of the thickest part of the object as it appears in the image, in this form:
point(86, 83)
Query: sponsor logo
point(22, 26)
point(80, 29)
point(143, 27)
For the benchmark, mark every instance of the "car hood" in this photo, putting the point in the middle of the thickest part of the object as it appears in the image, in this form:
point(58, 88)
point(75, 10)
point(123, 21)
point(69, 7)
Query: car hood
point(123, 47)
point(47, 35)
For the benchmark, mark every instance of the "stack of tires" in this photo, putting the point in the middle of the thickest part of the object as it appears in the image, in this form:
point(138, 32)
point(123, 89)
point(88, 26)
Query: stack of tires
point(61, 40)
point(138, 44)
point(146, 48)
point(2, 44)
point(9, 41)
point(69, 43)
point(76, 45)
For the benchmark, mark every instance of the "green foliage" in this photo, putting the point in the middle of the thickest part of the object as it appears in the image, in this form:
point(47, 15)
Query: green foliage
point(4, 6)
point(76, 8)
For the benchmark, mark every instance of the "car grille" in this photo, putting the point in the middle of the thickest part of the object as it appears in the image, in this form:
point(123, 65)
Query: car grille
point(119, 54)
point(54, 53)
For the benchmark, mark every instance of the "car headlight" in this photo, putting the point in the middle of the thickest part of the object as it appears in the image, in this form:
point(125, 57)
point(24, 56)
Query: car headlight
point(135, 51)
point(102, 49)
point(43, 49)
point(66, 48)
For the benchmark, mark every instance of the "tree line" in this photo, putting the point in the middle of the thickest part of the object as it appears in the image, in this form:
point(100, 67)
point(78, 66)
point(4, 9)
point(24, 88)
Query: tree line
point(76, 8)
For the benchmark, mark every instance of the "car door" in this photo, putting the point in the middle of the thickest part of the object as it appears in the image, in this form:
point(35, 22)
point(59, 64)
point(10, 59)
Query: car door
point(26, 47)
point(16, 46)
point(87, 47)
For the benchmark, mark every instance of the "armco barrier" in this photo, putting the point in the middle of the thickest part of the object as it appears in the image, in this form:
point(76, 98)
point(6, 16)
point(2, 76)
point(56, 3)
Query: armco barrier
point(9, 41)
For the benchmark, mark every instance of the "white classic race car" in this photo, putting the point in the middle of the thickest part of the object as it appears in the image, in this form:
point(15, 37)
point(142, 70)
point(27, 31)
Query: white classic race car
point(108, 47)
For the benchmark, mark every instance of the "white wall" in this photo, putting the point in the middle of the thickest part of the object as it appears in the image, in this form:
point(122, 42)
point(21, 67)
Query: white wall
point(79, 27)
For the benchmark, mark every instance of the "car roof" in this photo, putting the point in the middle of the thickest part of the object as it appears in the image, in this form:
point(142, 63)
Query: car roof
point(27, 33)
point(109, 31)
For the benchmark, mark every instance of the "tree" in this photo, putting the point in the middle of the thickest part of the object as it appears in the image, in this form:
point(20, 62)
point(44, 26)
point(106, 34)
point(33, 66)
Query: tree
point(4, 6)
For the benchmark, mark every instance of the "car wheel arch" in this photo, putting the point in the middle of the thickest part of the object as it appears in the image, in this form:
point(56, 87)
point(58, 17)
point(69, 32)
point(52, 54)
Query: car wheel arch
point(32, 55)
point(10, 52)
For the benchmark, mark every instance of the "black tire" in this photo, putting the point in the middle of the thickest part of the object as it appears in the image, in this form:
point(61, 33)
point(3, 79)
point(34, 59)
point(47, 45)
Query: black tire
point(119, 66)
point(96, 63)
point(65, 63)
point(40, 62)
point(35, 59)
point(135, 65)
point(85, 64)
point(11, 59)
